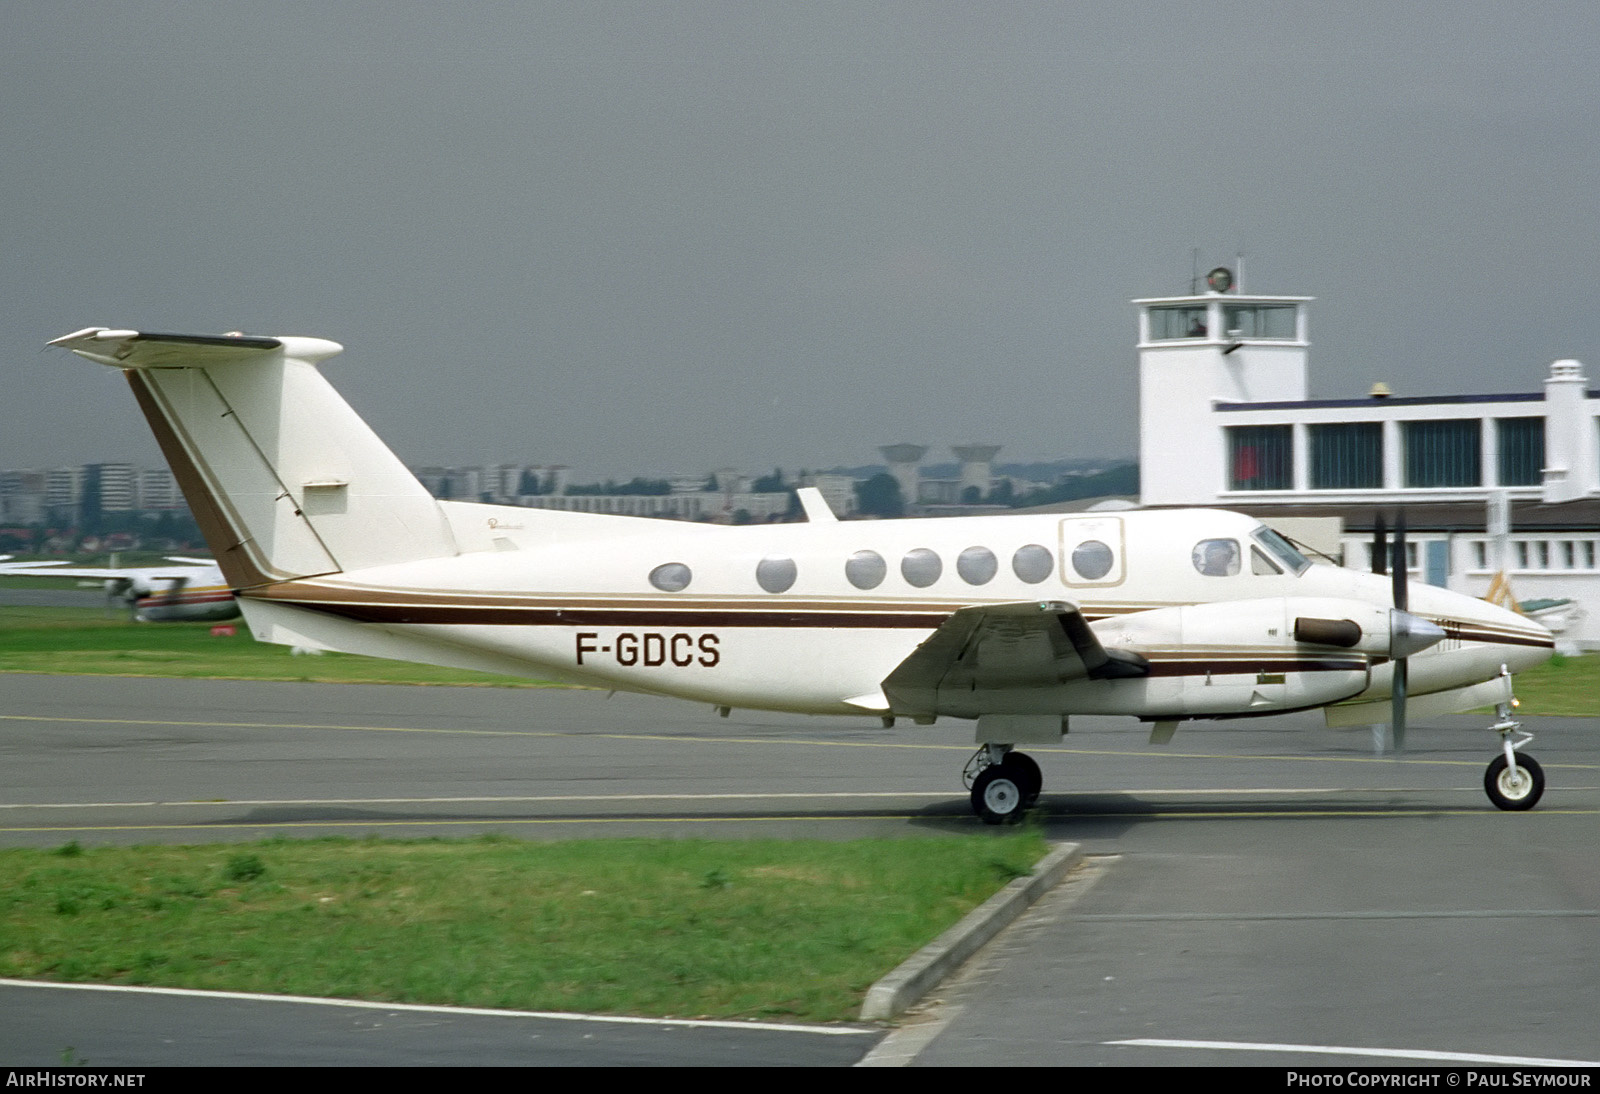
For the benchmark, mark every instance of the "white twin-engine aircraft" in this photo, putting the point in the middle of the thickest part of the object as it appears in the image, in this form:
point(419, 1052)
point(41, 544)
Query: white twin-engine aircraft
point(187, 590)
point(1015, 622)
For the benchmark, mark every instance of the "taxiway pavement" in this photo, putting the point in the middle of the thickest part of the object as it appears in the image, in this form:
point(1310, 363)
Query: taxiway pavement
point(1257, 885)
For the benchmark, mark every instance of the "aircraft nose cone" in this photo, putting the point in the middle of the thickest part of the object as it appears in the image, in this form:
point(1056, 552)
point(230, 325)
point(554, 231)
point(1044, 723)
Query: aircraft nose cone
point(1409, 634)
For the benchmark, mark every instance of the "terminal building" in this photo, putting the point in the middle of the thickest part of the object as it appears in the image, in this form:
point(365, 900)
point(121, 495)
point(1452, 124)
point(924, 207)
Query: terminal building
point(1225, 419)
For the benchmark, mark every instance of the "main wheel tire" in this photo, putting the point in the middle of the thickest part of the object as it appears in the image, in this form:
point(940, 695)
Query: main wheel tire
point(1515, 788)
point(1024, 770)
point(996, 797)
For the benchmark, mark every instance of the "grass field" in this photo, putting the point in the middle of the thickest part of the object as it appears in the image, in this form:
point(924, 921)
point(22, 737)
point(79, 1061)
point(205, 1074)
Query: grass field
point(86, 641)
point(742, 929)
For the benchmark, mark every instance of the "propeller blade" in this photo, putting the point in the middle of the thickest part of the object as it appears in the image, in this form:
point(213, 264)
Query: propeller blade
point(1400, 563)
point(1404, 632)
point(1397, 705)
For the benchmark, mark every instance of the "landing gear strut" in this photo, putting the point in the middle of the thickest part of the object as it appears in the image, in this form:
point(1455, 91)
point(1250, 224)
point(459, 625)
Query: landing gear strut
point(1512, 781)
point(1004, 783)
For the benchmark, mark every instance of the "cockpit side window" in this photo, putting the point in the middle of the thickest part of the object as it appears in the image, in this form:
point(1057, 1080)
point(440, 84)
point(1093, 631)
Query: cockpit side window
point(1281, 549)
point(1261, 565)
point(1216, 557)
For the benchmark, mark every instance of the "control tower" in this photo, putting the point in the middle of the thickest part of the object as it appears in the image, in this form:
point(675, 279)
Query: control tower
point(1195, 352)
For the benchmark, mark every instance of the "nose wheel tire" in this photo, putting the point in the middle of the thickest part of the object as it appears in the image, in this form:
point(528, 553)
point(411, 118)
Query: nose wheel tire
point(996, 796)
point(1514, 788)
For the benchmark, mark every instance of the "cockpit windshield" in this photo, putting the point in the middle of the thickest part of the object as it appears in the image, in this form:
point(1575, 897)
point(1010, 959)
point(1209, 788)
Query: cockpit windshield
point(1281, 549)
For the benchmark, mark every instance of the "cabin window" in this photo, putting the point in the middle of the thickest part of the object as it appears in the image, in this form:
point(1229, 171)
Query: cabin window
point(866, 569)
point(921, 567)
point(1092, 560)
point(776, 575)
point(1033, 563)
point(977, 565)
point(671, 577)
point(1216, 557)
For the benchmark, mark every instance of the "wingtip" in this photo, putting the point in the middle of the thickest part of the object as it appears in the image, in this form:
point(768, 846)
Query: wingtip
point(76, 336)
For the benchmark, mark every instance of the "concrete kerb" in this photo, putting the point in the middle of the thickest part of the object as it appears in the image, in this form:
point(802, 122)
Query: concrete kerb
point(923, 970)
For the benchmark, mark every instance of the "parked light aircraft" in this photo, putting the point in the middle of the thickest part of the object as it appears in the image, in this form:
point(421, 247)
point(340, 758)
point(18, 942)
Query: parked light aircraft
point(1015, 622)
point(191, 590)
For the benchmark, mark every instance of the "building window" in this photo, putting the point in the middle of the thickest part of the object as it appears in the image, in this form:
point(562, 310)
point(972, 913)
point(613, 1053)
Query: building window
point(1443, 453)
point(1170, 323)
point(1260, 321)
point(1347, 456)
point(1521, 460)
point(1260, 457)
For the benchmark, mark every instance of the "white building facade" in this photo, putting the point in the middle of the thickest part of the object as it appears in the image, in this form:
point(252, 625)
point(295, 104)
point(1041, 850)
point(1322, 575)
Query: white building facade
point(1225, 420)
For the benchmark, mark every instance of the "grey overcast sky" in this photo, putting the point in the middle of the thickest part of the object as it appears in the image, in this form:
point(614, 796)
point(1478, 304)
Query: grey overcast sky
point(647, 237)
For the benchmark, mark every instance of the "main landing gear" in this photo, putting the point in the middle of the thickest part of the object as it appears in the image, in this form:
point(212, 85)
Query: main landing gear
point(1004, 783)
point(1512, 781)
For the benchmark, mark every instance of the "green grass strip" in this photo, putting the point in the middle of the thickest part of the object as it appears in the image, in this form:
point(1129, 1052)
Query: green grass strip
point(1562, 685)
point(662, 928)
point(89, 642)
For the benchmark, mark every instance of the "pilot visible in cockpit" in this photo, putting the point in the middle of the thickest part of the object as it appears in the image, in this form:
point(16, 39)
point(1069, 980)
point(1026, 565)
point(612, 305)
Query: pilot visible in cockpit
point(1217, 557)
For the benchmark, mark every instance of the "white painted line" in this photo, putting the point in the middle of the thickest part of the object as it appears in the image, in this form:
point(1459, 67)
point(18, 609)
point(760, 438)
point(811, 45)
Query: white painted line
point(420, 1008)
point(1345, 1050)
point(490, 800)
point(754, 795)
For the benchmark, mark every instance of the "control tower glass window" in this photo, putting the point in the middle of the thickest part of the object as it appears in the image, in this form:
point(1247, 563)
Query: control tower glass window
point(1260, 320)
point(1443, 453)
point(1167, 324)
point(1261, 457)
point(1347, 456)
point(1521, 451)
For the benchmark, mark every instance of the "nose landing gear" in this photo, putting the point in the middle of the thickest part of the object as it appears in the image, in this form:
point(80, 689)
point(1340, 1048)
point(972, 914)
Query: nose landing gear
point(1512, 781)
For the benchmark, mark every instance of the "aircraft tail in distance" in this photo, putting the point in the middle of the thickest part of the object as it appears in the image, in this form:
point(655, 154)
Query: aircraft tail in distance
point(283, 477)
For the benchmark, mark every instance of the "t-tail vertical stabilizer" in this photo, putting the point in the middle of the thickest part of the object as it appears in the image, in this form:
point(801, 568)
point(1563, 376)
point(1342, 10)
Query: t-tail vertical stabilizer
point(283, 477)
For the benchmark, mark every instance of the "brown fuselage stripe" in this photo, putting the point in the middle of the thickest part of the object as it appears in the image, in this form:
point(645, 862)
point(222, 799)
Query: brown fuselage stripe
point(1235, 667)
point(1501, 638)
point(462, 615)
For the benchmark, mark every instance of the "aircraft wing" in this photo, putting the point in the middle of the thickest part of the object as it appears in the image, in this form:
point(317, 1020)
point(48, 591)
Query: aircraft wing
point(1036, 644)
